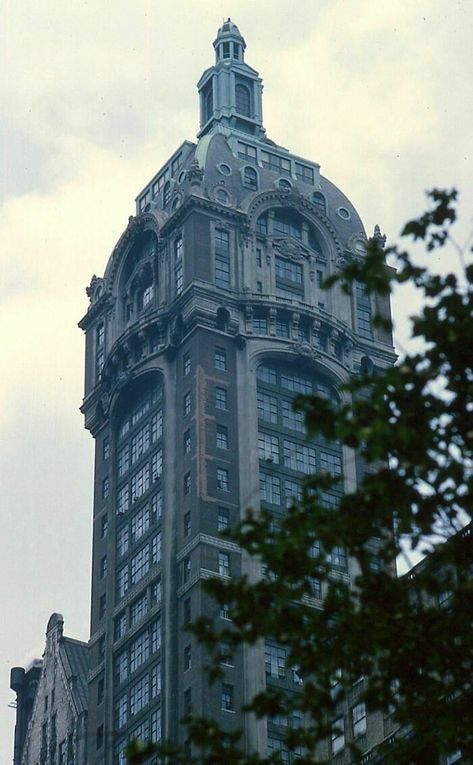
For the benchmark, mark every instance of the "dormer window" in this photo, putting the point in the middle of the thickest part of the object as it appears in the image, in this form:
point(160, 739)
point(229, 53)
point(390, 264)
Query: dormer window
point(243, 100)
point(319, 201)
point(250, 178)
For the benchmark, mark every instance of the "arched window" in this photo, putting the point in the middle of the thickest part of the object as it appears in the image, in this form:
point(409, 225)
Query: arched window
point(166, 194)
point(319, 201)
point(284, 184)
point(209, 104)
point(250, 178)
point(243, 100)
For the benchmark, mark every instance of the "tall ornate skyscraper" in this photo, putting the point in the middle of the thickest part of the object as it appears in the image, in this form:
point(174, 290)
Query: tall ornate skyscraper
point(209, 319)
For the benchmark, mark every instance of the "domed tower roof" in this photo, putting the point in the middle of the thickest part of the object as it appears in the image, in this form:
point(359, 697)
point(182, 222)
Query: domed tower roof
point(227, 32)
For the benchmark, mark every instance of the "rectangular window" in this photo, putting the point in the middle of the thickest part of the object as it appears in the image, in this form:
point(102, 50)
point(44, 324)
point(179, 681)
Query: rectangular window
point(338, 735)
point(247, 152)
point(282, 328)
point(363, 311)
point(187, 442)
point(259, 289)
point(105, 488)
point(226, 698)
point(104, 526)
point(138, 609)
point(222, 479)
point(103, 567)
point(156, 592)
point(288, 271)
point(225, 611)
point(179, 278)
point(268, 447)
point(259, 260)
point(331, 463)
point(106, 448)
point(119, 628)
point(139, 696)
point(123, 460)
point(299, 457)
point(260, 326)
point(187, 364)
point(156, 544)
point(187, 658)
point(187, 525)
point(220, 398)
point(223, 564)
point(122, 541)
point(304, 173)
point(338, 558)
point(276, 164)
point(222, 437)
point(187, 610)
point(122, 581)
point(157, 465)
point(157, 426)
point(222, 259)
point(187, 701)
point(186, 569)
point(267, 407)
point(187, 483)
point(293, 491)
point(223, 518)
point(139, 565)
point(277, 745)
point(123, 499)
point(140, 483)
point(156, 681)
point(140, 524)
point(121, 711)
point(139, 651)
point(266, 374)
point(270, 489)
point(140, 444)
point(102, 605)
point(358, 717)
point(220, 359)
point(187, 404)
point(293, 420)
point(157, 505)
point(275, 660)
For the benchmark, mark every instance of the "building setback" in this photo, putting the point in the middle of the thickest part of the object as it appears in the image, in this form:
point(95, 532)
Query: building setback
point(51, 706)
point(209, 318)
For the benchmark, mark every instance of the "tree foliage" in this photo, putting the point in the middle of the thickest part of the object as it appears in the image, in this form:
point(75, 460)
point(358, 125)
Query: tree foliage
point(387, 637)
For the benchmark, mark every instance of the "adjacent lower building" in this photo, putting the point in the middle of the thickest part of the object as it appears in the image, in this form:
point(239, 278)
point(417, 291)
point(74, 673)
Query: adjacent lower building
point(210, 317)
point(51, 702)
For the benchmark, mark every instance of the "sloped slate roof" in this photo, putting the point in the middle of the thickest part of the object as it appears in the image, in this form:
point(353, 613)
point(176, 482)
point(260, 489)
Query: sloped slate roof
point(74, 655)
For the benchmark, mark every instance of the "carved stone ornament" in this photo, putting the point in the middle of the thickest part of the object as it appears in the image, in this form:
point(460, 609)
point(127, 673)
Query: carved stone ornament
point(306, 350)
point(356, 244)
point(195, 174)
point(95, 283)
point(105, 402)
point(289, 248)
point(380, 238)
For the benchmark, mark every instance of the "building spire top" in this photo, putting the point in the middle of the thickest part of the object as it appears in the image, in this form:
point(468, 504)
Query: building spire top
point(229, 43)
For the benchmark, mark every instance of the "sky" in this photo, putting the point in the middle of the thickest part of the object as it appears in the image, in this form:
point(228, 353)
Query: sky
point(95, 98)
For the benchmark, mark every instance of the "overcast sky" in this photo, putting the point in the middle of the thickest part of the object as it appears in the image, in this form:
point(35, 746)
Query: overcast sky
point(95, 97)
